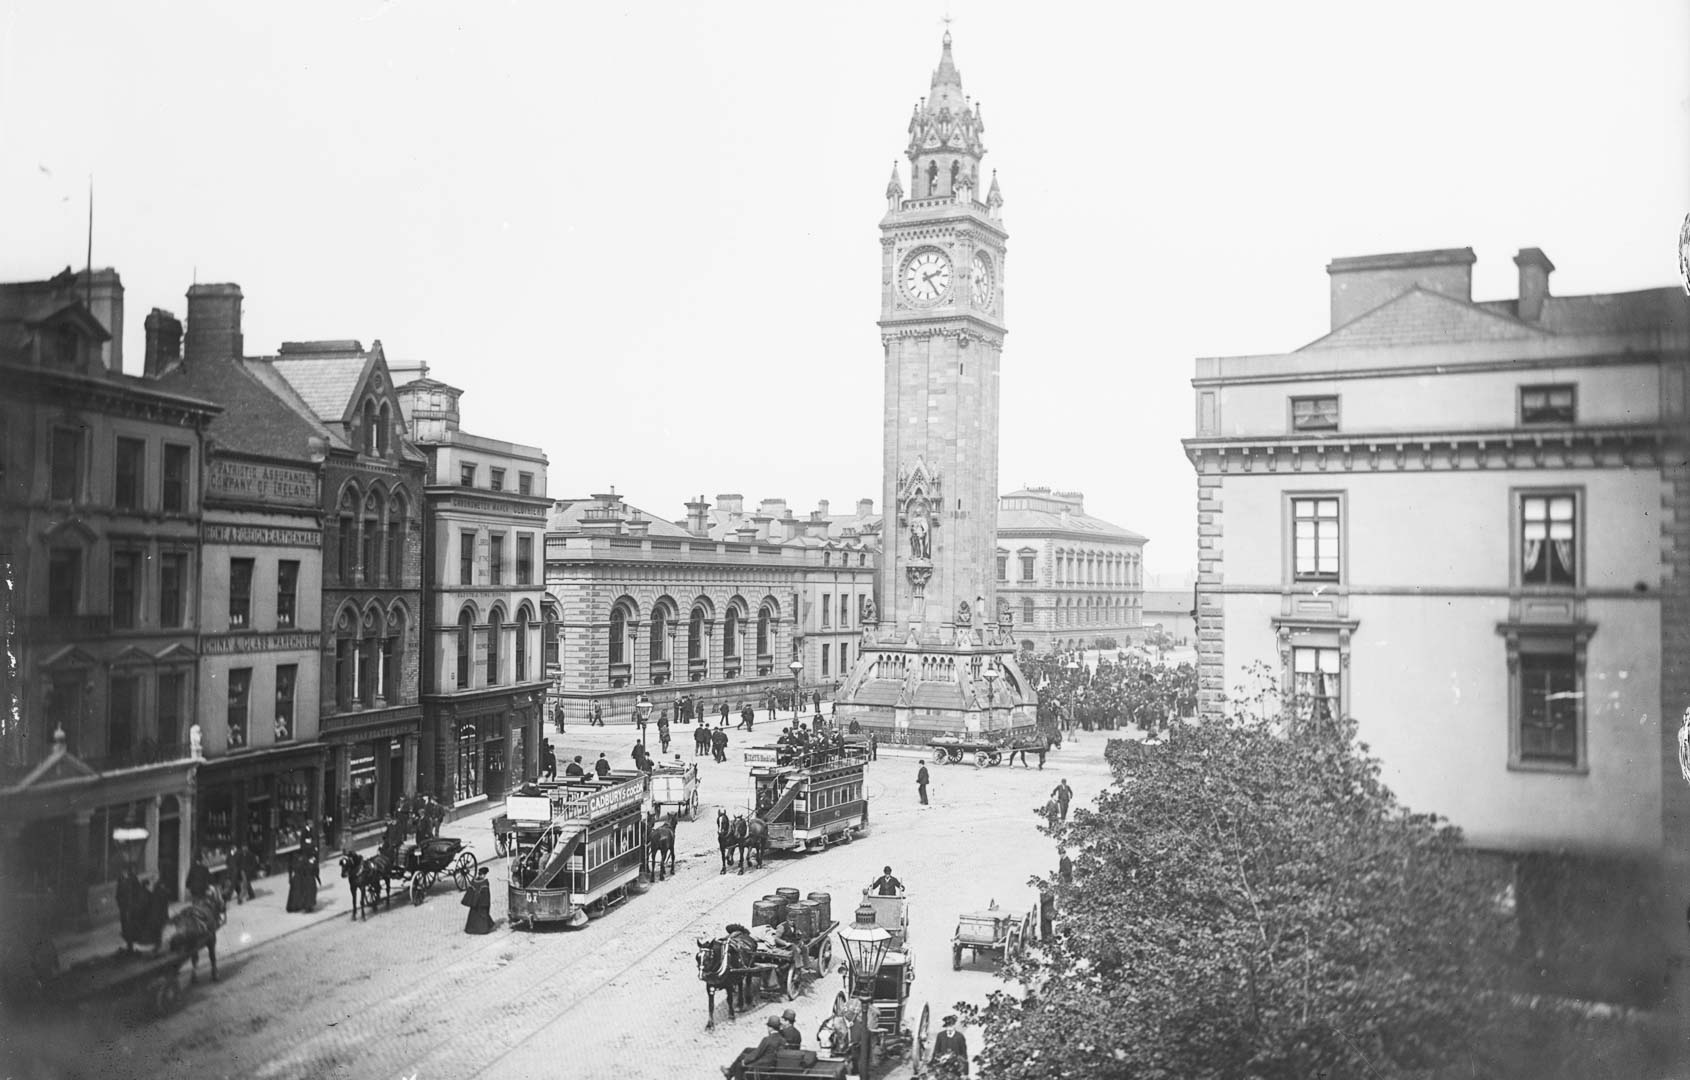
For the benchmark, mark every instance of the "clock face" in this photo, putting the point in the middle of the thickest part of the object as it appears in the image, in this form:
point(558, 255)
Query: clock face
point(927, 275)
point(981, 281)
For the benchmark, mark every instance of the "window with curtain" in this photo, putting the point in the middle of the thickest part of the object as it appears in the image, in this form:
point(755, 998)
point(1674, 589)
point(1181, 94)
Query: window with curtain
point(287, 676)
point(1548, 533)
point(240, 685)
point(1315, 684)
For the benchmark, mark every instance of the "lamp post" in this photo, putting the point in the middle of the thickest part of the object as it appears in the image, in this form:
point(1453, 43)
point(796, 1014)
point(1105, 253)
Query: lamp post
point(797, 667)
point(865, 945)
point(992, 674)
point(642, 713)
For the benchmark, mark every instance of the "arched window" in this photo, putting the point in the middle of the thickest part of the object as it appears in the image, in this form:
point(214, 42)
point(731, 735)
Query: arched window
point(763, 643)
point(730, 634)
point(347, 549)
point(369, 427)
point(550, 644)
point(396, 526)
point(659, 635)
point(494, 629)
point(522, 620)
point(618, 635)
point(371, 538)
point(695, 635)
point(466, 639)
point(382, 428)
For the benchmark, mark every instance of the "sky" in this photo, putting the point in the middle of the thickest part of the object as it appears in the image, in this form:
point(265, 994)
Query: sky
point(645, 237)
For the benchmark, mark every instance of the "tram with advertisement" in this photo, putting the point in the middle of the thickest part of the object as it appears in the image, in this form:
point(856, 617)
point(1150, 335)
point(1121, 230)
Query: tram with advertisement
point(577, 848)
point(809, 798)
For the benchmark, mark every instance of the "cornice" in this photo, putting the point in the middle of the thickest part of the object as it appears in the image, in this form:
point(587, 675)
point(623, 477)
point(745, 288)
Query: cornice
point(1573, 448)
point(1418, 371)
point(967, 329)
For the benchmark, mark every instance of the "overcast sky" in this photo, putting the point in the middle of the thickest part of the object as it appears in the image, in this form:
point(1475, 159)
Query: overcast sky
point(644, 237)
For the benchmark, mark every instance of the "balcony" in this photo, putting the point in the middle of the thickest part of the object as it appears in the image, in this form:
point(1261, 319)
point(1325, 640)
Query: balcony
point(50, 628)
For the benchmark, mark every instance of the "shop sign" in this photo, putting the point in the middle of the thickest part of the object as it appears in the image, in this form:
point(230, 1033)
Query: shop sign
point(262, 535)
point(251, 643)
point(261, 483)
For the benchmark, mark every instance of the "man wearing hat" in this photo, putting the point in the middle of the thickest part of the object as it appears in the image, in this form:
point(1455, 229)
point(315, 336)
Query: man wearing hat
point(789, 1030)
point(762, 1056)
point(949, 1044)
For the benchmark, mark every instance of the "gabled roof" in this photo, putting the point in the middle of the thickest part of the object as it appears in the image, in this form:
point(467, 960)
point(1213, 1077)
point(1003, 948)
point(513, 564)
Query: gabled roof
point(258, 417)
point(327, 382)
point(1608, 313)
point(263, 372)
point(1420, 316)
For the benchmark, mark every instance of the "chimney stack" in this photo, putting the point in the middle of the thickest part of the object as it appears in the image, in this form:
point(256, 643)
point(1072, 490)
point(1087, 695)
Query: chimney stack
point(698, 517)
point(1535, 269)
point(1364, 282)
point(821, 505)
point(214, 322)
point(865, 507)
point(164, 342)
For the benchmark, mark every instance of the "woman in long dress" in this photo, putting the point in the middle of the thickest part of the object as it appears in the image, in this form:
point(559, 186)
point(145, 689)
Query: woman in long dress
point(479, 899)
point(302, 880)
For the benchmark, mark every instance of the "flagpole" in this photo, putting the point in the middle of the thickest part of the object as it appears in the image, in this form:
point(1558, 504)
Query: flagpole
point(88, 289)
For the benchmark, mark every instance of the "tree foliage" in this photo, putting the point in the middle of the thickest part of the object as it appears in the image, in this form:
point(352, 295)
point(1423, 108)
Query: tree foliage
point(1249, 900)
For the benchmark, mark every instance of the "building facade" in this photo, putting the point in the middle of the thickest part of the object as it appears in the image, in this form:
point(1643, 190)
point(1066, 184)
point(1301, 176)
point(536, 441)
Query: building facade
point(100, 518)
point(484, 680)
point(259, 593)
point(941, 652)
point(1071, 579)
point(1464, 524)
point(372, 496)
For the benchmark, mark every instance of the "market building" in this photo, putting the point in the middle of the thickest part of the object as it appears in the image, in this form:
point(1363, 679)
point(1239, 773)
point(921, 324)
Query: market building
point(1466, 524)
point(371, 502)
point(259, 592)
point(1073, 580)
point(483, 664)
point(100, 518)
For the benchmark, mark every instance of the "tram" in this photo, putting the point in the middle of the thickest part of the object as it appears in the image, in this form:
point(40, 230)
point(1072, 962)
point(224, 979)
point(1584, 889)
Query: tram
point(578, 848)
point(809, 798)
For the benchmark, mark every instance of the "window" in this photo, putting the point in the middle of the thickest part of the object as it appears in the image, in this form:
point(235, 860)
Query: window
point(369, 427)
point(551, 643)
point(287, 591)
point(172, 583)
point(695, 635)
point(64, 705)
point(494, 629)
point(65, 480)
point(827, 609)
point(170, 707)
point(240, 593)
point(763, 620)
point(496, 479)
point(466, 639)
point(371, 546)
point(1548, 674)
point(825, 670)
point(131, 470)
point(1027, 611)
point(1314, 542)
point(125, 589)
point(174, 496)
point(346, 548)
point(1314, 413)
point(844, 610)
point(124, 715)
point(730, 635)
point(1003, 566)
point(387, 687)
point(366, 673)
point(1548, 404)
point(466, 558)
point(64, 581)
point(1547, 539)
point(383, 425)
point(1316, 684)
point(466, 475)
point(618, 636)
point(844, 658)
point(396, 543)
point(525, 483)
point(522, 646)
point(345, 669)
point(525, 560)
point(1026, 568)
point(287, 676)
point(240, 684)
point(496, 558)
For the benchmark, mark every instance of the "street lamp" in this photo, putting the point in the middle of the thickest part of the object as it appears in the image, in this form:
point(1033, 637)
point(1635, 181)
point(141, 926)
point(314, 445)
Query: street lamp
point(865, 945)
point(797, 667)
point(991, 686)
point(642, 712)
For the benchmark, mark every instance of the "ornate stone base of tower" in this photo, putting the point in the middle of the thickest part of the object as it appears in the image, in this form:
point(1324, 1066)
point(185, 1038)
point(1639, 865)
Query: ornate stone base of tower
point(909, 690)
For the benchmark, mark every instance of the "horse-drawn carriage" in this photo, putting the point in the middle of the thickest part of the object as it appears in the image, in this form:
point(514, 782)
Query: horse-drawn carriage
point(578, 848)
point(414, 866)
point(869, 1013)
point(789, 943)
point(1001, 933)
point(674, 789)
point(984, 750)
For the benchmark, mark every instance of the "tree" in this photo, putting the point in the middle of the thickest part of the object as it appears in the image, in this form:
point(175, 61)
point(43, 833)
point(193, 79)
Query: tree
point(1249, 900)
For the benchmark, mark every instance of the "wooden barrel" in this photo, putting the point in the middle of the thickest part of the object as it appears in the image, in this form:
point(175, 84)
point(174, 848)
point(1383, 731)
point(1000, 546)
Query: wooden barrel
point(789, 895)
point(768, 911)
point(802, 914)
point(824, 902)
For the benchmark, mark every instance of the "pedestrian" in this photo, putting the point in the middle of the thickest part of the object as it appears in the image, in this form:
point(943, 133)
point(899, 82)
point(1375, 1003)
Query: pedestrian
point(478, 897)
point(789, 1030)
point(1043, 749)
point(557, 717)
point(921, 782)
point(246, 860)
point(602, 766)
point(638, 755)
point(950, 1049)
point(719, 744)
point(816, 696)
point(131, 907)
point(575, 768)
point(771, 701)
point(199, 876)
point(747, 717)
point(663, 739)
point(1065, 867)
point(1063, 794)
point(724, 722)
point(597, 714)
point(873, 747)
point(548, 760)
point(302, 881)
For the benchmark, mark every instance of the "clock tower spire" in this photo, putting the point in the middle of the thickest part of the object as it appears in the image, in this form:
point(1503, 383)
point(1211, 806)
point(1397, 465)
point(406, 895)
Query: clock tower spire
point(939, 642)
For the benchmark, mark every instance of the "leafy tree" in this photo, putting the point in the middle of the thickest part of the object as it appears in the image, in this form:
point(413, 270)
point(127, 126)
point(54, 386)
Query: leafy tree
point(1249, 900)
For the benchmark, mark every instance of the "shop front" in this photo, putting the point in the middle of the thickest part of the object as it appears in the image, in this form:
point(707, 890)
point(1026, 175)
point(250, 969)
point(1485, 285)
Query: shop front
point(369, 769)
point(261, 803)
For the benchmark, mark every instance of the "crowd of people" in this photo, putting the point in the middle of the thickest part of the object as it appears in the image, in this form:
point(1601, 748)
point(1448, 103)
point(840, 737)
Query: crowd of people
point(1128, 689)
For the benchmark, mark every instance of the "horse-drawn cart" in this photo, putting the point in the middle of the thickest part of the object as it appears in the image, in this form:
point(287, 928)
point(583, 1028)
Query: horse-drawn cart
point(674, 790)
point(106, 980)
point(984, 750)
point(789, 944)
point(1002, 933)
point(422, 864)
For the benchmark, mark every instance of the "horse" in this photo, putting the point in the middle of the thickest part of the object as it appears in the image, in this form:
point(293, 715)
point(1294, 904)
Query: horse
point(371, 880)
point(750, 834)
point(660, 845)
point(723, 964)
point(725, 839)
point(195, 927)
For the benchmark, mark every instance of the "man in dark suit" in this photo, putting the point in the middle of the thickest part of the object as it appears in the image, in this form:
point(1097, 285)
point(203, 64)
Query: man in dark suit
point(762, 1057)
point(950, 1044)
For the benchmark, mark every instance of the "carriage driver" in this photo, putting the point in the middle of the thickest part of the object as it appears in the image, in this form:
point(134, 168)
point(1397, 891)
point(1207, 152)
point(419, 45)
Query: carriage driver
point(886, 884)
point(763, 1056)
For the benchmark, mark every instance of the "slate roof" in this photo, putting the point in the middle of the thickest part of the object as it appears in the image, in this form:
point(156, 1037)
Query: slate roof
point(567, 514)
point(1609, 313)
point(1050, 521)
point(1422, 317)
point(263, 372)
point(255, 419)
point(325, 383)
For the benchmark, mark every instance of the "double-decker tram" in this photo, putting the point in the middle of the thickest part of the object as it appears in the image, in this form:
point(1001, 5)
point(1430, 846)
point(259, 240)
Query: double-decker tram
point(809, 796)
point(578, 848)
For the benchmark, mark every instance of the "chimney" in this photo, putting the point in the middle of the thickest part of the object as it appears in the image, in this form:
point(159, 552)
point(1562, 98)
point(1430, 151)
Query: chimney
point(747, 533)
point(731, 503)
point(639, 526)
point(164, 342)
point(1364, 282)
point(821, 507)
point(865, 507)
point(103, 292)
point(761, 523)
point(1535, 269)
point(698, 517)
point(214, 322)
point(790, 526)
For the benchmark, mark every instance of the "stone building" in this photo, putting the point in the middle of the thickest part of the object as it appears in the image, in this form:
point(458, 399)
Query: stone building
point(259, 594)
point(483, 672)
point(1466, 524)
point(100, 519)
point(940, 651)
point(371, 502)
point(1071, 579)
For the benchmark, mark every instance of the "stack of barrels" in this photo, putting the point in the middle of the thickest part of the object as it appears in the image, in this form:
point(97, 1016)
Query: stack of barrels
point(808, 915)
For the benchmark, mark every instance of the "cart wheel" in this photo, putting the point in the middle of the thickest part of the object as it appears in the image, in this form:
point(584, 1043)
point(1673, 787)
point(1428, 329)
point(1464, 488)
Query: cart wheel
point(980, 759)
point(824, 956)
point(692, 812)
point(956, 756)
point(1011, 945)
point(417, 887)
point(789, 981)
point(463, 869)
point(922, 1032)
point(996, 758)
point(596, 909)
point(501, 844)
point(956, 957)
point(940, 756)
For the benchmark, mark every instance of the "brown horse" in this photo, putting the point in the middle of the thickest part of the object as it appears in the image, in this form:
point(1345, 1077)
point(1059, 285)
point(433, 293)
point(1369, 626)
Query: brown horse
point(750, 834)
point(194, 928)
point(724, 964)
point(371, 880)
point(660, 845)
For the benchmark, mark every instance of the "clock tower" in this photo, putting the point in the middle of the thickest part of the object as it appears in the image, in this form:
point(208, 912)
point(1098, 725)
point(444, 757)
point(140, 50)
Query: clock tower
point(940, 653)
